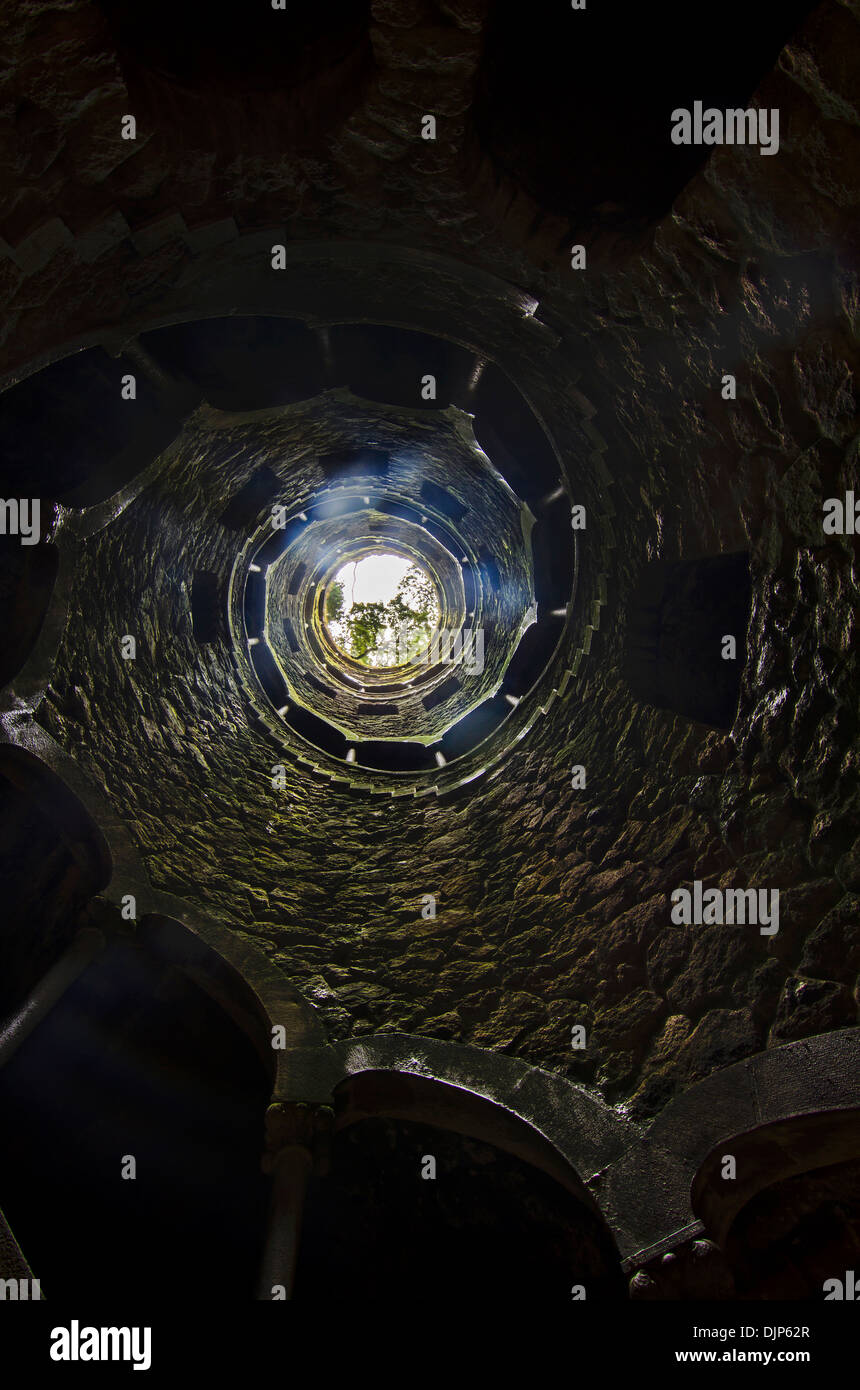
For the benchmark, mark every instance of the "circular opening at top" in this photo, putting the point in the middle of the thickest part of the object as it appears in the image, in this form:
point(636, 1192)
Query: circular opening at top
point(381, 610)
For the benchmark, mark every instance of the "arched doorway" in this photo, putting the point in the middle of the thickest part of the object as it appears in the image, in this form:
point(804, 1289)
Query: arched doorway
point(437, 1190)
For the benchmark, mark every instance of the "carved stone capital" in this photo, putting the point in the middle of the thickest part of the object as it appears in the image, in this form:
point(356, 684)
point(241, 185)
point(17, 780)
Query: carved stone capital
point(296, 1125)
point(697, 1269)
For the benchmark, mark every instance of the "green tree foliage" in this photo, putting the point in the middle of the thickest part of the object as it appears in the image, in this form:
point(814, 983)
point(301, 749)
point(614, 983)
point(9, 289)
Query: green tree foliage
point(387, 634)
point(417, 591)
point(334, 602)
point(365, 625)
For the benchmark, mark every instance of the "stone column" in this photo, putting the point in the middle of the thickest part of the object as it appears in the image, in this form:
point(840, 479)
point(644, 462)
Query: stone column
point(86, 945)
point(296, 1144)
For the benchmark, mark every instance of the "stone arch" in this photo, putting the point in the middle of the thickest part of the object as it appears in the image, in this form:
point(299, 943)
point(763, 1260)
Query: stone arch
point(27, 578)
point(649, 1192)
point(768, 1154)
point(71, 818)
point(142, 1059)
point(550, 1120)
point(482, 1103)
point(255, 994)
point(173, 943)
point(56, 861)
point(205, 943)
point(788, 1220)
point(69, 433)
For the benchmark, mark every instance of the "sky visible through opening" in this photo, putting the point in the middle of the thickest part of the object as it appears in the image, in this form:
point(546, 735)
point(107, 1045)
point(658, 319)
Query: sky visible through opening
point(381, 610)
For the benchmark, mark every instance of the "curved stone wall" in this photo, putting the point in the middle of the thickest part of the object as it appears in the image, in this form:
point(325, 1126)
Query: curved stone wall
point(668, 361)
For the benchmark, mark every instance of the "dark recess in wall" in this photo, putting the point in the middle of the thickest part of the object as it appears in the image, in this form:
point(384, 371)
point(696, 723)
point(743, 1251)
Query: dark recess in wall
point(241, 362)
point(65, 431)
point(136, 1060)
point(489, 1224)
point(673, 653)
point(190, 71)
point(575, 107)
point(244, 508)
point(27, 575)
